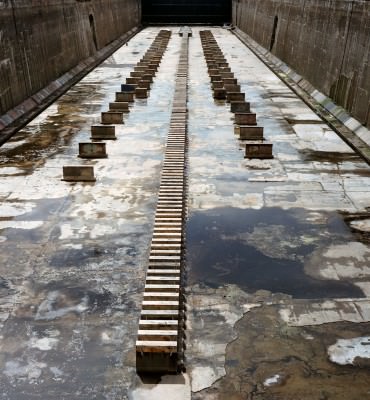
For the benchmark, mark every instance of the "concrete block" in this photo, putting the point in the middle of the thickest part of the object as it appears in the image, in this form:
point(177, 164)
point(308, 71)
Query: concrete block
point(235, 96)
point(245, 119)
point(92, 150)
point(240, 106)
point(124, 97)
point(101, 132)
point(112, 117)
point(78, 173)
point(260, 150)
point(119, 106)
point(247, 132)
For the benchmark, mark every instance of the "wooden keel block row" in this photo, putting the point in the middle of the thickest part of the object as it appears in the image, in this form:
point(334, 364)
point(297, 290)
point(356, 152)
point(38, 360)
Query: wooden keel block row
point(159, 344)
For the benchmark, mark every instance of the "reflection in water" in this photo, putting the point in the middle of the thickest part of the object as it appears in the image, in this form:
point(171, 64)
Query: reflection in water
point(263, 249)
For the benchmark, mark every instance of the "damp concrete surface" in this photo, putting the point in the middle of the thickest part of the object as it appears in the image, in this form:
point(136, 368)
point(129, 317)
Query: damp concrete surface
point(278, 278)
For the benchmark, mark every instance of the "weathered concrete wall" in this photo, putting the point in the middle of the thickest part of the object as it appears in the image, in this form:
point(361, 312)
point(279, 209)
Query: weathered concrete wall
point(326, 41)
point(42, 39)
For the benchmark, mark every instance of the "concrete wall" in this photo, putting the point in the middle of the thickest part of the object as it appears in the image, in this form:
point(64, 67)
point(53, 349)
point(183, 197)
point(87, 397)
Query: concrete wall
point(42, 39)
point(326, 41)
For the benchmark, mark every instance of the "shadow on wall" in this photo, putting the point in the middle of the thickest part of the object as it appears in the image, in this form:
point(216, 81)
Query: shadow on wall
point(325, 42)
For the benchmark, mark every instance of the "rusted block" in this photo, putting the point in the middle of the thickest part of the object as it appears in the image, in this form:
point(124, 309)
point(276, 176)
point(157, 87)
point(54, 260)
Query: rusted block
point(125, 97)
point(215, 78)
point(147, 77)
point(136, 74)
point(260, 150)
point(112, 117)
point(219, 94)
point(118, 106)
point(232, 88)
point(78, 173)
point(144, 84)
point(227, 75)
point(240, 106)
point(141, 93)
point(222, 68)
point(230, 81)
point(245, 119)
point(92, 150)
point(247, 132)
point(213, 71)
point(217, 85)
point(235, 96)
point(156, 362)
point(103, 132)
point(132, 80)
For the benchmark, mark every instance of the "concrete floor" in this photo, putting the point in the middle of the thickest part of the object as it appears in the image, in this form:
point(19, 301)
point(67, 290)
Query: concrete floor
point(278, 250)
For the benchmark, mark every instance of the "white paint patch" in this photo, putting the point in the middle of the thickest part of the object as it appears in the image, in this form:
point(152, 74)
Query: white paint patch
point(31, 371)
point(44, 344)
point(204, 377)
point(3, 239)
point(170, 388)
point(9, 210)
point(26, 225)
point(272, 381)
point(361, 225)
point(47, 310)
point(345, 351)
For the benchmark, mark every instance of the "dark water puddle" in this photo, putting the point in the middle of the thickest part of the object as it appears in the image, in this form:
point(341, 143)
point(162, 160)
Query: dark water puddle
point(263, 249)
point(333, 157)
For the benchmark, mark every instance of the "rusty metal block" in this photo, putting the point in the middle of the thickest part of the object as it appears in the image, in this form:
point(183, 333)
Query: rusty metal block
point(112, 117)
point(261, 150)
point(141, 93)
point(247, 132)
point(126, 88)
point(240, 106)
point(125, 97)
point(235, 96)
point(245, 119)
point(92, 150)
point(219, 94)
point(119, 106)
point(103, 132)
point(78, 173)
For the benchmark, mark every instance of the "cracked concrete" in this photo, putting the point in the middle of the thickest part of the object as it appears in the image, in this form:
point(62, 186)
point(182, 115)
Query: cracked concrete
point(277, 250)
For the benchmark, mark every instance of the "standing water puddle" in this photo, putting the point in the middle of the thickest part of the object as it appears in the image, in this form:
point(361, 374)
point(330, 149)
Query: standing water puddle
point(263, 249)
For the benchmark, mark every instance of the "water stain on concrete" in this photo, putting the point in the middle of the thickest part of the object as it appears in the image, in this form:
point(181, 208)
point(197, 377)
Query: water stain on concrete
point(263, 249)
point(272, 361)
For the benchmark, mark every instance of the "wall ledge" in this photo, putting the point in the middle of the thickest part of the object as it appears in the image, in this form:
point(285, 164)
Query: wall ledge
point(347, 127)
point(19, 116)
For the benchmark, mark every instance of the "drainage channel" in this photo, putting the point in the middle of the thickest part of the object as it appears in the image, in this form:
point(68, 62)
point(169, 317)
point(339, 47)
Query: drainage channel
point(160, 342)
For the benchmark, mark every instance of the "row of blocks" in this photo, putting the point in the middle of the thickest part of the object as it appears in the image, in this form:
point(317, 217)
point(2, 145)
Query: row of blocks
point(142, 75)
point(160, 342)
point(225, 87)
